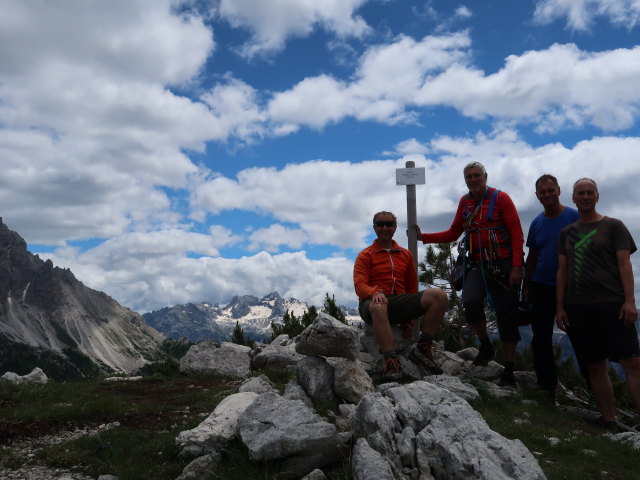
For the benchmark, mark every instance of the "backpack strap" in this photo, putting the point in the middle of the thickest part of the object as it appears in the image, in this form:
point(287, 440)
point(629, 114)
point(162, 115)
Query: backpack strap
point(492, 204)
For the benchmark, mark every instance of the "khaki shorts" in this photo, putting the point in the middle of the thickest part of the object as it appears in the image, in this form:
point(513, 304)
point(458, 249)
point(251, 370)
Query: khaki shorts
point(402, 307)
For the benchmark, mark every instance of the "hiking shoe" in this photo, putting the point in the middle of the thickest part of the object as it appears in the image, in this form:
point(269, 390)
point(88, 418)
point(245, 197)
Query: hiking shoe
point(422, 355)
point(612, 426)
point(507, 379)
point(485, 354)
point(391, 370)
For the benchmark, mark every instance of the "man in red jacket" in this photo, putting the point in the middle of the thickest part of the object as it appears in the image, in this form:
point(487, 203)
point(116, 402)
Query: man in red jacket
point(386, 283)
point(494, 240)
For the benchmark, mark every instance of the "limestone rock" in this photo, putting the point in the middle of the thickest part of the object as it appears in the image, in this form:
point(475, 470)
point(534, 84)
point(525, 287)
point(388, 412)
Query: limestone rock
point(316, 377)
point(329, 337)
point(280, 353)
point(226, 359)
point(315, 475)
point(455, 385)
point(367, 463)
point(259, 384)
point(35, 377)
point(452, 440)
point(201, 467)
point(293, 391)
point(276, 428)
point(351, 381)
point(221, 425)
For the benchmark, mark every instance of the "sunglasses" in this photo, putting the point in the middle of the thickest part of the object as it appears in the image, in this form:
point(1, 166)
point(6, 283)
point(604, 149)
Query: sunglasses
point(385, 224)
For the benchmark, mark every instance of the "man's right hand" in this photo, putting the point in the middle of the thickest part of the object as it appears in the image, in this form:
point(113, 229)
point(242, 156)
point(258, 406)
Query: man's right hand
point(418, 232)
point(562, 320)
point(379, 299)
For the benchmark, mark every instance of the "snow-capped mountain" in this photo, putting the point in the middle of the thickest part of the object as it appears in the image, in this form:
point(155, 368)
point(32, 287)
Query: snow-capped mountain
point(206, 321)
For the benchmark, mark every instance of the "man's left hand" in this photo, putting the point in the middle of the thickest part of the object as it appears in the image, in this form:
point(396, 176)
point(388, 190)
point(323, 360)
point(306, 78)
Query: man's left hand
point(515, 276)
point(628, 313)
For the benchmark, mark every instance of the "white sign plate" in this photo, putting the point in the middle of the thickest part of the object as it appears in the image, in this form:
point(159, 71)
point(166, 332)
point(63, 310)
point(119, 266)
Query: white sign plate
point(410, 176)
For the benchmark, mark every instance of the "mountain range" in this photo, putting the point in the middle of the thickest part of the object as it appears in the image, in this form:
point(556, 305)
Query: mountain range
point(206, 321)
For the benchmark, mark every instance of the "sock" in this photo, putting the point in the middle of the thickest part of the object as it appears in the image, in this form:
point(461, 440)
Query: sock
point(389, 353)
point(425, 337)
point(508, 367)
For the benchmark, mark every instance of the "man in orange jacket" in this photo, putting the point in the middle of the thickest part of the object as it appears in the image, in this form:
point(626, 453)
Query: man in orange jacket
point(386, 283)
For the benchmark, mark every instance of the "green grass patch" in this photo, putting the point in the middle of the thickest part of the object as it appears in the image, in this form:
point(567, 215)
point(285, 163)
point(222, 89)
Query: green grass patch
point(150, 414)
point(582, 451)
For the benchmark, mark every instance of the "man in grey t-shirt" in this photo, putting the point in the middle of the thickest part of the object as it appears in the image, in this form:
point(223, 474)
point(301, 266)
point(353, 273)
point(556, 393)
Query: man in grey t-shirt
point(595, 297)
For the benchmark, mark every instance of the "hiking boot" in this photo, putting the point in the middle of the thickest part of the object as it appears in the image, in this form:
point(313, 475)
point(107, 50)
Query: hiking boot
point(391, 370)
point(507, 379)
point(485, 354)
point(612, 426)
point(422, 355)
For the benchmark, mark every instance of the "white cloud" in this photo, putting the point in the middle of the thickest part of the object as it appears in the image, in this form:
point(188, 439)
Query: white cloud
point(89, 108)
point(385, 82)
point(330, 201)
point(275, 236)
point(555, 88)
point(148, 271)
point(166, 280)
point(581, 14)
point(272, 22)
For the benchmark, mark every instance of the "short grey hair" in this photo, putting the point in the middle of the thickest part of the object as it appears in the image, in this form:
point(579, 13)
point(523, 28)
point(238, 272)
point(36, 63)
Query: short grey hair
point(585, 179)
point(474, 165)
point(395, 219)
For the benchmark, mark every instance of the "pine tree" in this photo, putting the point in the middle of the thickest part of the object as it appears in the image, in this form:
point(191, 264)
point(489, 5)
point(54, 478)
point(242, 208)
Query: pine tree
point(290, 326)
point(237, 336)
point(332, 309)
point(309, 316)
point(435, 271)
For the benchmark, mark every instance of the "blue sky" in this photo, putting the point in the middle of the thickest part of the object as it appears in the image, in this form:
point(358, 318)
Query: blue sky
point(175, 151)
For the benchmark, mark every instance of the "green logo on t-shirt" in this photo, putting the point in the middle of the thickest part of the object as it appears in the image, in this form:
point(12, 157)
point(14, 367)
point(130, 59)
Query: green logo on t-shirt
point(581, 248)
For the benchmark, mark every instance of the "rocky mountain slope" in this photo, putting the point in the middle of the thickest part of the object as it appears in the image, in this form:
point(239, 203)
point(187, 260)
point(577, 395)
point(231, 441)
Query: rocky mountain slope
point(49, 317)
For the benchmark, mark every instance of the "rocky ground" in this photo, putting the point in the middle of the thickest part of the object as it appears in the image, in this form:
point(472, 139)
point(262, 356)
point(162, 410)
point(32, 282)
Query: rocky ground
point(25, 448)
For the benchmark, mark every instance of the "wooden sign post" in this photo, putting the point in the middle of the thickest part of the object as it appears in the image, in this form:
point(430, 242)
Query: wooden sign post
point(411, 177)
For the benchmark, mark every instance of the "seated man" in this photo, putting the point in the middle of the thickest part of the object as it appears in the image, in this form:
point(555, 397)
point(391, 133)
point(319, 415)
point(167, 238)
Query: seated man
point(386, 283)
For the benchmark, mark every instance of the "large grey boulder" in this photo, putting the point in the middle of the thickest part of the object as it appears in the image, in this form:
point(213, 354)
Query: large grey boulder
point(218, 427)
point(316, 377)
point(351, 381)
point(455, 385)
point(276, 428)
point(201, 467)
point(452, 441)
point(329, 337)
point(227, 359)
point(280, 353)
point(35, 377)
point(367, 463)
point(259, 384)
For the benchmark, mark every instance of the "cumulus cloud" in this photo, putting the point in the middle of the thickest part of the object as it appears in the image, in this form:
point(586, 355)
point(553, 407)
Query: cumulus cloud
point(145, 286)
point(581, 14)
point(275, 236)
point(553, 89)
point(272, 22)
point(148, 271)
point(331, 202)
point(89, 108)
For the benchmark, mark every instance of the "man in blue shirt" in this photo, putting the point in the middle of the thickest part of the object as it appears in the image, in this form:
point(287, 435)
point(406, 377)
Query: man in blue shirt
point(540, 278)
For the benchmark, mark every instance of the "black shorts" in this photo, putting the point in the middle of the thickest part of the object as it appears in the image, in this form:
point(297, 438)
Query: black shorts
point(597, 333)
point(402, 307)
